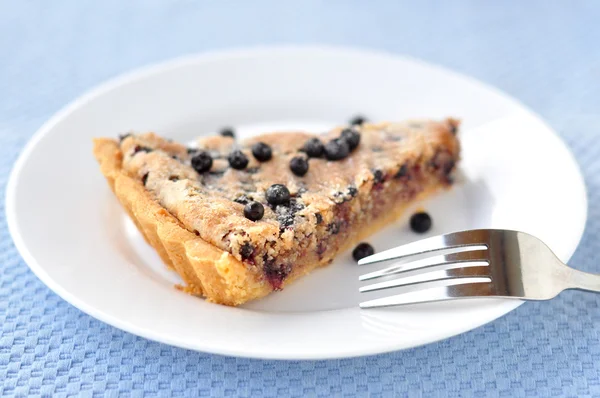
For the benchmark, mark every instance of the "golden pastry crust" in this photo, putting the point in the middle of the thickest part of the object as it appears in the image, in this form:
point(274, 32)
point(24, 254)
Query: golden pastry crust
point(206, 270)
point(210, 269)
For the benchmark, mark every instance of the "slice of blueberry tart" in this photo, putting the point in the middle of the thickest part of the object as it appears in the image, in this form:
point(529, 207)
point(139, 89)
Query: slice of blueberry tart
point(240, 219)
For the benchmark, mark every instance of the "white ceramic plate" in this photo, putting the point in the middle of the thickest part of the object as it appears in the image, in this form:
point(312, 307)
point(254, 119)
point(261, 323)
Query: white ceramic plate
point(77, 240)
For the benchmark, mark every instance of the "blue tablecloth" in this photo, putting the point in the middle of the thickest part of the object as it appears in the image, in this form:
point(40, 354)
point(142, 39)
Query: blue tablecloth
point(545, 53)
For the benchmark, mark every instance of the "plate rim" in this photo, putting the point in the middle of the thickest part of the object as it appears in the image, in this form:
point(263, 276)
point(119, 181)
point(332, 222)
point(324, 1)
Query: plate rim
point(142, 72)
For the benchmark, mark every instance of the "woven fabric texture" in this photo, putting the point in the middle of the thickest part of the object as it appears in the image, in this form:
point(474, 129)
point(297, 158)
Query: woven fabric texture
point(545, 53)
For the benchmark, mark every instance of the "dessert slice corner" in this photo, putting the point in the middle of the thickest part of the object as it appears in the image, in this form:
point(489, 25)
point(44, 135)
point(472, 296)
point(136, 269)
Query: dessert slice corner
point(206, 270)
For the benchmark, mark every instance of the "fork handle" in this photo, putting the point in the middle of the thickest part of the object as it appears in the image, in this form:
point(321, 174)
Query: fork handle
point(584, 281)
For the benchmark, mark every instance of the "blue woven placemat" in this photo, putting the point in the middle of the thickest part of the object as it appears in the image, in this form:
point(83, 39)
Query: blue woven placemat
point(546, 53)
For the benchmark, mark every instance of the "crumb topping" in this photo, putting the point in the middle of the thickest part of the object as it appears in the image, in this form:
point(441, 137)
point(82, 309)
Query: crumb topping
point(223, 190)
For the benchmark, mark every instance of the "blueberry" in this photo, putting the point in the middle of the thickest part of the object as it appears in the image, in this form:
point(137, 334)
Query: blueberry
point(299, 166)
point(202, 161)
point(334, 228)
point(420, 222)
point(246, 250)
point(296, 206)
point(254, 211)
point(285, 216)
point(262, 152)
point(351, 137)
point(358, 120)
point(402, 171)
point(313, 148)
point(237, 160)
point(378, 176)
point(278, 194)
point(140, 148)
point(339, 197)
point(362, 250)
point(243, 199)
point(227, 132)
point(336, 149)
point(319, 218)
point(122, 137)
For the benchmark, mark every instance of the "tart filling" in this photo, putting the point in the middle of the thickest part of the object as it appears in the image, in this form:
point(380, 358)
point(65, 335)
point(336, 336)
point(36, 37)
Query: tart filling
point(281, 203)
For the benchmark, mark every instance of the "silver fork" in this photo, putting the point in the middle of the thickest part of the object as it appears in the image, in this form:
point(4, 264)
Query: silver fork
point(483, 263)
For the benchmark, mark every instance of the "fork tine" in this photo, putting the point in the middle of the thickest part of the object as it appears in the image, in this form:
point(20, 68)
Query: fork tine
point(454, 260)
point(443, 293)
point(421, 280)
point(454, 240)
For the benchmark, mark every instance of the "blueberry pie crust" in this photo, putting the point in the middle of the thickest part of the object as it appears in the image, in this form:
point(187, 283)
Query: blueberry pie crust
point(240, 219)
